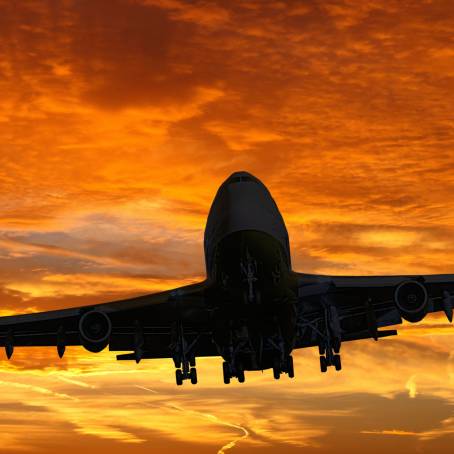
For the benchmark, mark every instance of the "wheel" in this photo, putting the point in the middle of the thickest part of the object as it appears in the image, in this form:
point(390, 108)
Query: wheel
point(179, 377)
point(240, 375)
point(336, 345)
point(193, 375)
point(276, 369)
point(337, 362)
point(226, 372)
point(290, 370)
point(323, 364)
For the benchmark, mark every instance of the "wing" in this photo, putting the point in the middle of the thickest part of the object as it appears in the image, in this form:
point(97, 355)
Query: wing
point(151, 326)
point(344, 308)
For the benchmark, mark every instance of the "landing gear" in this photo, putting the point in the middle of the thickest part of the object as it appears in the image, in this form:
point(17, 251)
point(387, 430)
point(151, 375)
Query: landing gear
point(290, 370)
point(332, 358)
point(229, 372)
point(193, 375)
point(226, 372)
point(323, 364)
point(277, 369)
point(285, 366)
point(179, 377)
point(186, 373)
point(249, 270)
point(240, 376)
point(337, 362)
point(330, 339)
point(183, 356)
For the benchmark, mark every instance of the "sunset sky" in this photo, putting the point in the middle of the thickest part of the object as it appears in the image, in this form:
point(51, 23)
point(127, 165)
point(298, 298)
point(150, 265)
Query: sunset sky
point(119, 120)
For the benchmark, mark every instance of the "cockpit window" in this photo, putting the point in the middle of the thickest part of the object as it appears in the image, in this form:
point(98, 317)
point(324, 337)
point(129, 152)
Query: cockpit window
point(240, 179)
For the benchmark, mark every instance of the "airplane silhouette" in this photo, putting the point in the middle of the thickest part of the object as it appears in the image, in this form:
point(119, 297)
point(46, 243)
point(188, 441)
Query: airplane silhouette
point(252, 309)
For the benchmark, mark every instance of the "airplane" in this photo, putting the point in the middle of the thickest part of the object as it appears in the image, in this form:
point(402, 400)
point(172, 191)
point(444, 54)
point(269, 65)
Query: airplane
point(252, 309)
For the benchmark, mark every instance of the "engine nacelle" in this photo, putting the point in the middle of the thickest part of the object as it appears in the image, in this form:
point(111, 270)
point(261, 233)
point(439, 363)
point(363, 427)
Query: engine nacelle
point(95, 328)
point(412, 300)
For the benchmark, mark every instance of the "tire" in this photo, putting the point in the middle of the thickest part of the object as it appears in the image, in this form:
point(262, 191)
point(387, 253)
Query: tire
point(241, 377)
point(276, 369)
point(323, 364)
point(179, 377)
point(290, 371)
point(226, 372)
point(337, 362)
point(336, 346)
point(193, 375)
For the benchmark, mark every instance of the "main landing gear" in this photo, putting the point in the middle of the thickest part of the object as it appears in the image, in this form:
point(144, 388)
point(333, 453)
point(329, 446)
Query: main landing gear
point(183, 356)
point(186, 371)
point(329, 355)
point(229, 371)
point(279, 367)
point(283, 366)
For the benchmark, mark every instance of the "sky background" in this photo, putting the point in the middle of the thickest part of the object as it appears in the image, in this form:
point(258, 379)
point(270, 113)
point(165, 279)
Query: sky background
point(119, 120)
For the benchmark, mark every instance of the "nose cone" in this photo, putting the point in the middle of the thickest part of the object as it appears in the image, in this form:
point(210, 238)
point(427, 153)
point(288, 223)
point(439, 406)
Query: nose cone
point(242, 203)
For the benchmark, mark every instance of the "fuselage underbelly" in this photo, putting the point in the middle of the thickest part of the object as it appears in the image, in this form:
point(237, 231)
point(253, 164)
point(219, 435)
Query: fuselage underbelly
point(248, 262)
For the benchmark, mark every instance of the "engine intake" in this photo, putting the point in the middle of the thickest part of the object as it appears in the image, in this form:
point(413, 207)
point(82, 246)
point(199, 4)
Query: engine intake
point(95, 328)
point(411, 299)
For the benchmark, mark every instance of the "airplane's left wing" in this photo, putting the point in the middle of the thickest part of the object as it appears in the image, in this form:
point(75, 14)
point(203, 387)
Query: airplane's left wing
point(334, 309)
point(159, 325)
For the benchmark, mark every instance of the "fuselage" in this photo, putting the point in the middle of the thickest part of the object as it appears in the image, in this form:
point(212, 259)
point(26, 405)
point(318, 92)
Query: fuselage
point(248, 261)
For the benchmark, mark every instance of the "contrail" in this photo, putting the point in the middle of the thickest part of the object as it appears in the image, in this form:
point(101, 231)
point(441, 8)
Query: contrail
point(37, 389)
point(231, 444)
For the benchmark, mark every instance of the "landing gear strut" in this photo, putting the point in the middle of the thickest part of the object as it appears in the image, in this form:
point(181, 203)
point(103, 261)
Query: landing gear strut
point(183, 357)
point(330, 343)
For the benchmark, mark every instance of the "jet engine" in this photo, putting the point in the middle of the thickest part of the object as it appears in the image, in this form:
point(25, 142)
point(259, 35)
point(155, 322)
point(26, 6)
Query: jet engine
point(95, 328)
point(412, 300)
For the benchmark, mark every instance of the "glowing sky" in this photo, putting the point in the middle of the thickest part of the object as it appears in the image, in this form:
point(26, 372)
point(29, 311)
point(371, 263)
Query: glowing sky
point(119, 120)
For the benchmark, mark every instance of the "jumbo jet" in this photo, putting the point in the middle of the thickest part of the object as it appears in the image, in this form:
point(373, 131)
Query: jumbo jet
point(252, 309)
